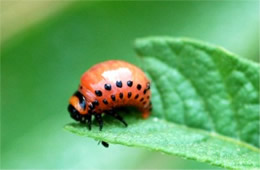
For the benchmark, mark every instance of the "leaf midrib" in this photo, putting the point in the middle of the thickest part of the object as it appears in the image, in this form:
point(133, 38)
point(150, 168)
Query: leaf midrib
point(202, 98)
point(230, 97)
point(211, 134)
point(194, 45)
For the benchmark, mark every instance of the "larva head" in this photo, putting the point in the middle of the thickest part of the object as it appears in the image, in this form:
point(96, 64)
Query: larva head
point(77, 107)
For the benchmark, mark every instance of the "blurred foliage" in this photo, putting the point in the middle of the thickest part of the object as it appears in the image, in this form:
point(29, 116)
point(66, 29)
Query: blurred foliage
point(41, 66)
point(24, 14)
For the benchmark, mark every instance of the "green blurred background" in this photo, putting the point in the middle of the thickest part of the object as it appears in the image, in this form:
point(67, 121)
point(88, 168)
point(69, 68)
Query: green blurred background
point(46, 46)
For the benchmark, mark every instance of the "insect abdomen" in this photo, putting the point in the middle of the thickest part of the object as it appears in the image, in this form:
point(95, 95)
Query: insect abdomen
point(115, 84)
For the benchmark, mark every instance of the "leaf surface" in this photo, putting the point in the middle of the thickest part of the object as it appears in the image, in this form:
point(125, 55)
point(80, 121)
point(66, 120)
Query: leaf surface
point(205, 105)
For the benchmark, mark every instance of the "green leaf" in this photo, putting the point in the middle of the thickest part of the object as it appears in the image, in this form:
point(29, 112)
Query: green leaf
point(205, 105)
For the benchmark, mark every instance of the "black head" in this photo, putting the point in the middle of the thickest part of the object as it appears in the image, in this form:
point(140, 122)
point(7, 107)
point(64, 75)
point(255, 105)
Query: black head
point(77, 107)
point(73, 113)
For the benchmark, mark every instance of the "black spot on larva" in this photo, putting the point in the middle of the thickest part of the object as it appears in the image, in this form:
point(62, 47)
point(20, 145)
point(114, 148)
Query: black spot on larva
point(144, 102)
point(130, 83)
point(148, 97)
point(95, 103)
point(80, 87)
point(98, 92)
point(91, 106)
point(121, 95)
point(105, 101)
point(141, 99)
point(119, 84)
point(145, 91)
point(107, 87)
point(113, 97)
point(129, 94)
point(136, 97)
point(139, 86)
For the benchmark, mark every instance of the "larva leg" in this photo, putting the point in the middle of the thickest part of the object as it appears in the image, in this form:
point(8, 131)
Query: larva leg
point(89, 121)
point(116, 116)
point(99, 120)
point(83, 120)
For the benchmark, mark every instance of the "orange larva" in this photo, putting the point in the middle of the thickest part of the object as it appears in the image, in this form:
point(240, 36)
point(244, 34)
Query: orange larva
point(107, 86)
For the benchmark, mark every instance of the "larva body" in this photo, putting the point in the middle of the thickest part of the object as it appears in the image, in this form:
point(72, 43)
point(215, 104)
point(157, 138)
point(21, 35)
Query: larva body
point(107, 86)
